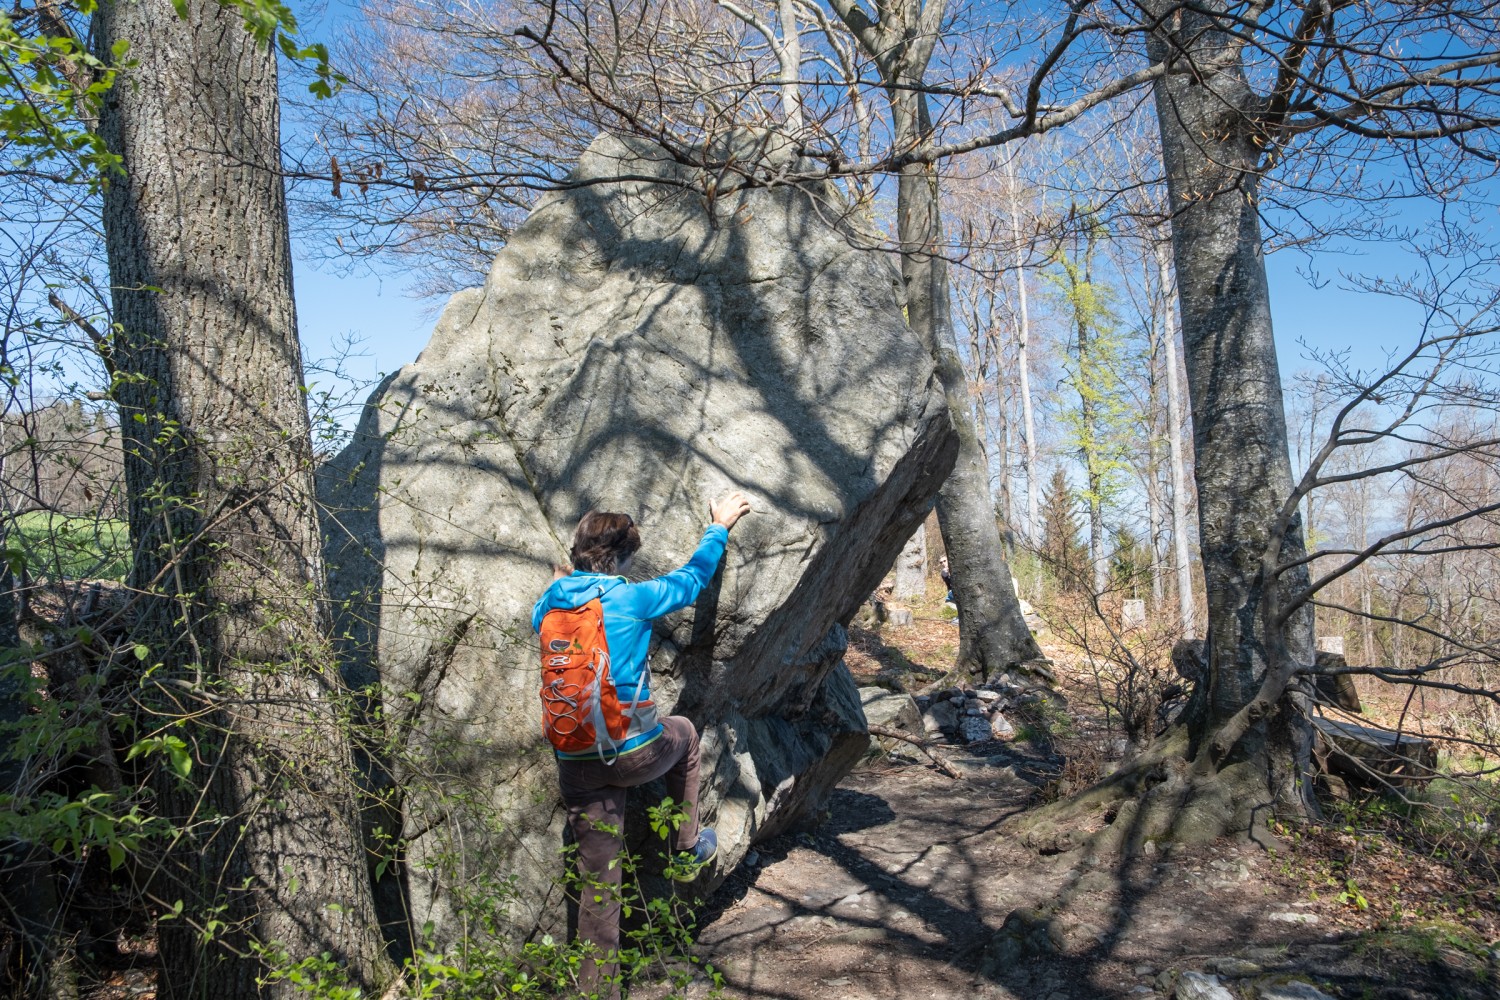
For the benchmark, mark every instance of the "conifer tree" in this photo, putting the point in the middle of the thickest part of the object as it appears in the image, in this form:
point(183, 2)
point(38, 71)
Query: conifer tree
point(1129, 565)
point(1064, 554)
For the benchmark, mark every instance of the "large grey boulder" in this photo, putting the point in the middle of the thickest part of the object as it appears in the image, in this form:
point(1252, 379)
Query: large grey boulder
point(639, 348)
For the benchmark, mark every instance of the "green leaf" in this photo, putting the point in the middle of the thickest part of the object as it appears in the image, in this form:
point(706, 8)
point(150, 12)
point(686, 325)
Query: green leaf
point(179, 759)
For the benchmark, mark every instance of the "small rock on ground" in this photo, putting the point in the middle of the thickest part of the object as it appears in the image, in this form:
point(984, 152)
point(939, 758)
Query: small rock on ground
point(940, 717)
point(973, 730)
point(1293, 990)
point(1294, 918)
point(1201, 986)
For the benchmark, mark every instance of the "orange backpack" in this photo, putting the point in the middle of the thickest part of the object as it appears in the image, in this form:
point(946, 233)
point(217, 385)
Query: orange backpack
point(580, 709)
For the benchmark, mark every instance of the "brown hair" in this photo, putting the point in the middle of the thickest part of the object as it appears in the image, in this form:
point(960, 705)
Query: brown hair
point(603, 541)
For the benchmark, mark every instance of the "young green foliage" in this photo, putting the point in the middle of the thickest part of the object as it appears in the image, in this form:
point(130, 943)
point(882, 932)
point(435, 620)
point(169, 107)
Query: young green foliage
point(51, 88)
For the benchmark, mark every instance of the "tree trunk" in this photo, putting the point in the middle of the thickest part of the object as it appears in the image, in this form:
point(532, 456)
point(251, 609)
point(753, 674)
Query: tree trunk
point(911, 567)
point(789, 56)
point(1002, 444)
point(1242, 466)
point(1182, 558)
point(1087, 379)
point(1154, 519)
point(1023, 366)
point(992, 632)
point(974, 387)
point(993, 635)
point(1089, 452)
point(1151, 474)
point(219, 478)
point(1246, 744)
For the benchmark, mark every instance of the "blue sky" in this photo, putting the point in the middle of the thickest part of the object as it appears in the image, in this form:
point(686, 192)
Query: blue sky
point(393, 327)
point(374, 305)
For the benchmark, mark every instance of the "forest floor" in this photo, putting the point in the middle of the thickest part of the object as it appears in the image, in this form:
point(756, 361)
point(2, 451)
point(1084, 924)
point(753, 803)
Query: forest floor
point(910, 889)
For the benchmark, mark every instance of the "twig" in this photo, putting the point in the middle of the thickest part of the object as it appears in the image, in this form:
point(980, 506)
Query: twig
point(101, 343)
point(920, 744)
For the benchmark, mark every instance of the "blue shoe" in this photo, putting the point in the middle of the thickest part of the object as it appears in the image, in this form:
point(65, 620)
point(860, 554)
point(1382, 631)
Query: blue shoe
point(689, 864)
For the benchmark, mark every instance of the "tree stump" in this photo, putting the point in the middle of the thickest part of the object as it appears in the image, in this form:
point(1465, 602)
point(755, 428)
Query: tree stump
point(1374, 758)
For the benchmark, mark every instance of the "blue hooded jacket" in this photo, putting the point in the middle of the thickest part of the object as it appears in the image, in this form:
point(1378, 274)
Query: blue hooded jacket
point(629, 609)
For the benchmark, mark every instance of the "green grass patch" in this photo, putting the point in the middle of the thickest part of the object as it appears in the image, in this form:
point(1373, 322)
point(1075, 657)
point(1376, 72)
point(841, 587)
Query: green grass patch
point(72, 548)
point(1425, 941)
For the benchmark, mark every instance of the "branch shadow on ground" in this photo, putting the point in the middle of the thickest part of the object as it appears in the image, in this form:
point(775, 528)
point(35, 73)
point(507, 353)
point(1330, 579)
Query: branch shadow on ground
point(947, 902)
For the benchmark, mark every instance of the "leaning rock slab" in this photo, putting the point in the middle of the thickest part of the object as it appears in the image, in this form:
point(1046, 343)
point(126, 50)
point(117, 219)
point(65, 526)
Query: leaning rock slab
point(635, 348)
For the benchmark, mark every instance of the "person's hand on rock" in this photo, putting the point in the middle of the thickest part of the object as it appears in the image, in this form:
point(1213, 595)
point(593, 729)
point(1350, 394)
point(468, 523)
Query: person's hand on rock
point(729, 508)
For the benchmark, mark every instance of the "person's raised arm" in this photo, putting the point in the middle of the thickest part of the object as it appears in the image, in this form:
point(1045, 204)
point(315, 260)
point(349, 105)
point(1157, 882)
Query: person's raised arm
point(682, 586)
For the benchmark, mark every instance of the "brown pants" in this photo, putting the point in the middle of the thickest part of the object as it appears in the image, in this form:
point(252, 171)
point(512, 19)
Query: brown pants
point(594, 793)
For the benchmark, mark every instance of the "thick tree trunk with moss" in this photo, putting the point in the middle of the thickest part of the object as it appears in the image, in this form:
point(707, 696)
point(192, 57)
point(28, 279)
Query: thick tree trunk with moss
point(1242, 750)
point(219, 474)
point(1243, 470)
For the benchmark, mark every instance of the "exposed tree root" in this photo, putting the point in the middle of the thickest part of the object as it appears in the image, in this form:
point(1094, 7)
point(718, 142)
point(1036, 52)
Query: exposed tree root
point(1160, 797)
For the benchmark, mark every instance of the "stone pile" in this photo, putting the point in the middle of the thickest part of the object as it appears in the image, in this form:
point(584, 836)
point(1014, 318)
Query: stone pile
point(972, 715)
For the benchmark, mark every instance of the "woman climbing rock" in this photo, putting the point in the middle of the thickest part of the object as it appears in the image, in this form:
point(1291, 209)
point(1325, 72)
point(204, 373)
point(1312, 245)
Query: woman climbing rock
point(595, 629)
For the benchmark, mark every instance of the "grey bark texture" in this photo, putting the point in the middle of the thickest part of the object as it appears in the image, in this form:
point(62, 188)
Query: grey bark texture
point(993, 636)
point(911, 567)
point(219, 476)
point(1187, 608)
point(1242, 467)
point(1023, 366)
point(638, 349)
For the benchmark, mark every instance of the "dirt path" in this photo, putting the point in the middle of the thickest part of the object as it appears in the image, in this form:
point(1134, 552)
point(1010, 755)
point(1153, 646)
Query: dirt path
point(909, 891)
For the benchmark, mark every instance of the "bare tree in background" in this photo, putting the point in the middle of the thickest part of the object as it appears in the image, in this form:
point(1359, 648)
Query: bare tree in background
point(1003, 349)
point(1023, 356)
point(993, 634)
point(1182, 564)
point(1426, 433)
